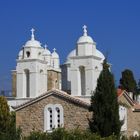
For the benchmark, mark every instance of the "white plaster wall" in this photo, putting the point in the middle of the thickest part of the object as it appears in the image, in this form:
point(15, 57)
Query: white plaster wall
point(36, 78)
point(34, 52)
point(75, 82)
point(85, 49)
point(93, 67)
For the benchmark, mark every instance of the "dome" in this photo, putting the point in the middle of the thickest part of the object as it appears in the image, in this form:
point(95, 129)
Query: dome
point(32, 42)
point(99, 54)
point(46, 51)
point(85, 38)
point(20, 53)
point(55, 54)
point(71, 54)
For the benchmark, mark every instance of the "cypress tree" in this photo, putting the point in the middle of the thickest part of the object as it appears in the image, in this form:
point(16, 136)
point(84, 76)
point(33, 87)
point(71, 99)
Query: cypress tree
point(104, 105)
point(4, 115)
point(128, 82)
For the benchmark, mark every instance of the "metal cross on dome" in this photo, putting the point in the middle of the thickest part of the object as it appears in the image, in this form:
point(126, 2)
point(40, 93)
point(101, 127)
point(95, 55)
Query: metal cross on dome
point(85, 30)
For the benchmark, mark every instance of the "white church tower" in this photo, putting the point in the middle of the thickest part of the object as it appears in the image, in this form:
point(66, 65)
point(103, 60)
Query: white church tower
point(82, 68)
point(31, 69)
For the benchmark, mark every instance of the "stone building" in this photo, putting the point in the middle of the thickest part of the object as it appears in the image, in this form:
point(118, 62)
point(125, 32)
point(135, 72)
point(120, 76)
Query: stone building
point(53, 109)
point(130, 115)
point(39, 102)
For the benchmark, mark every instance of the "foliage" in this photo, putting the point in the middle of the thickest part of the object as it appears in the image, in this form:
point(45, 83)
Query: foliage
point(138, 87)
point(127, 82)
point(62, 134)
point(104, 105)
point(8, 129)
point(4, 115)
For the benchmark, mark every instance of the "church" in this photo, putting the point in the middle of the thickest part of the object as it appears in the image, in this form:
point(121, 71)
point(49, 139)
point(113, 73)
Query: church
point(49, 96)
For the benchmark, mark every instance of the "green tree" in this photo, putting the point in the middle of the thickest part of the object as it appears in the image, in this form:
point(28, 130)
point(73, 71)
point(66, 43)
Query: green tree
point(104, 105)
point(8, 129)
point(127, 82)
point(4, 115)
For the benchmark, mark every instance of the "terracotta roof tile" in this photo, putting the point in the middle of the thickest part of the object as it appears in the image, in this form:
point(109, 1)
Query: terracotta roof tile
point(53, 92)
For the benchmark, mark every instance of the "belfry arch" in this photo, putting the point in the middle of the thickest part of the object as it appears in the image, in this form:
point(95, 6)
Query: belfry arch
point(82, 80)
point(27, 82)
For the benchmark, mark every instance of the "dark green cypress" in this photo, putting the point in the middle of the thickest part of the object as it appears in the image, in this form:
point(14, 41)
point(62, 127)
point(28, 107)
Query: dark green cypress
point(127, 82)
point(104, 105)
point(4, 115)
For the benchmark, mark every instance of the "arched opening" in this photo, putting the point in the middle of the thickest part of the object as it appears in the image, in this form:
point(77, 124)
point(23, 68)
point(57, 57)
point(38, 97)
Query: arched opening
point(57, 117)
point(27, 82)
point(28, 54)
point(53, 117)
point(82, 79)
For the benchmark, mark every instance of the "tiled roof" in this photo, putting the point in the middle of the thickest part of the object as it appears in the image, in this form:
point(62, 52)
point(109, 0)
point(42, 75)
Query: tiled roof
point(53, 92)
point(134, 104)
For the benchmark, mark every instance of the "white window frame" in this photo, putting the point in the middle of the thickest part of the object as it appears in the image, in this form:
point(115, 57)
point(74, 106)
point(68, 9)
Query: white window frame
point(53, 107)
point(123, 117)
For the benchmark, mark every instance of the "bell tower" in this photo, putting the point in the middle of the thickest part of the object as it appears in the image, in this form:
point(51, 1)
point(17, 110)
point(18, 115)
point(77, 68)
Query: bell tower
point(31, 70)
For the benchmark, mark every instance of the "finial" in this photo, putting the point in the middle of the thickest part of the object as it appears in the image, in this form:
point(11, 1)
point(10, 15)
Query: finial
point(32, 35)
point(85, 30)
point(46, 46)
point(54, 49)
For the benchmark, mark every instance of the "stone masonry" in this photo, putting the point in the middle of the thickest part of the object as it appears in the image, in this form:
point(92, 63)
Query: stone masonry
point(133, 117)
point(31, 117)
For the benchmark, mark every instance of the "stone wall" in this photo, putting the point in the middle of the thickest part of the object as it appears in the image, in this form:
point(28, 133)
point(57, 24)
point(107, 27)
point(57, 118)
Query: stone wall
point(133, 118)
point(54, 79)
point(32, 117)
point(14, 80)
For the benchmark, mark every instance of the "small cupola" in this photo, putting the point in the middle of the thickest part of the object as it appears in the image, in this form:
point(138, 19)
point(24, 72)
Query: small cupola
point(47, 55)
point(46, 51)
point(85, 45)
point(55, 62)
point(32, 42)
point(85, 38)
point(32, 48)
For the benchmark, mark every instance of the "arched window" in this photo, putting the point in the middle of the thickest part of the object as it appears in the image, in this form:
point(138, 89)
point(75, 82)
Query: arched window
point(136, 134)
point(28, 54)
point(53, 117)
point(27, 82)
point(58, 115)
point(123, 117)
point(82, 79)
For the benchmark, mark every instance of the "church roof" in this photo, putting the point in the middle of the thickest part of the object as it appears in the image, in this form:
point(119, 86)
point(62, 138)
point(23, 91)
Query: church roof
point(56, 92)
point(134, 104)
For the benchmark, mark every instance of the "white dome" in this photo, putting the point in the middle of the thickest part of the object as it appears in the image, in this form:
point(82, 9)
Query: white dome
point(99, 54)
point(20, 53)
point(85, 39)
point(71, 54)
point(32, 43)
point(46, 52)
point(55, 54)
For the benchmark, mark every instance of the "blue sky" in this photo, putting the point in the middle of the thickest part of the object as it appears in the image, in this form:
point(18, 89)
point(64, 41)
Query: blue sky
point(113, 24)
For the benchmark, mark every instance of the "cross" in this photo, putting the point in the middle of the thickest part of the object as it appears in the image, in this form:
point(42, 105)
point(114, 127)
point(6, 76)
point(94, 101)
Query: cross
point(32, 31)
point(85, 30)
point(54, 49)
point(45, 46)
